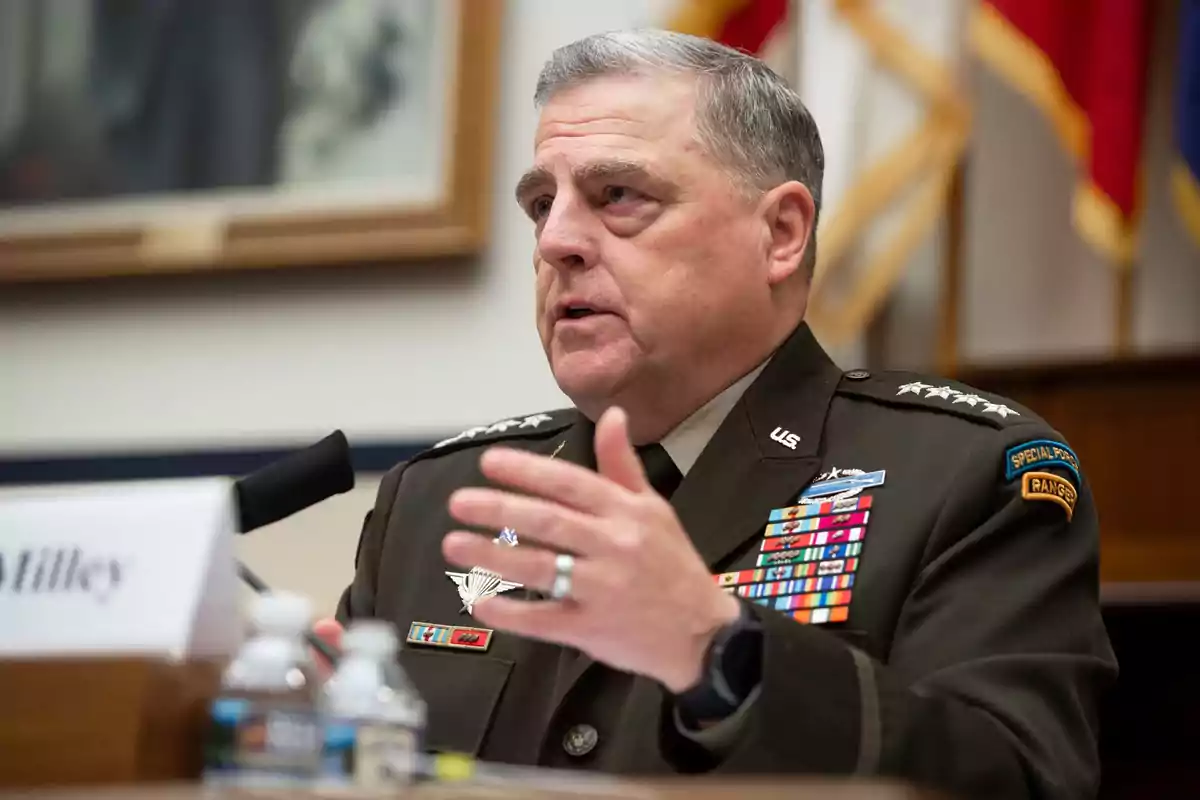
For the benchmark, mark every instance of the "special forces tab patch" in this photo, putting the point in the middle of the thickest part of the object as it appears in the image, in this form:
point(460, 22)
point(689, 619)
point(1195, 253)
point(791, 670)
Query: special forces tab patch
point(1039, 453)
point(1050, 487)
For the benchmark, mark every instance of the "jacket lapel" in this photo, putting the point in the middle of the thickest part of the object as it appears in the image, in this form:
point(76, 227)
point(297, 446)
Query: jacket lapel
point(750, 465)
point(743, 472)
point(575, 444)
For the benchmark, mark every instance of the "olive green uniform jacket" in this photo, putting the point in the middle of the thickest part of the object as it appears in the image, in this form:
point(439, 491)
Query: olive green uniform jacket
point(972, 654)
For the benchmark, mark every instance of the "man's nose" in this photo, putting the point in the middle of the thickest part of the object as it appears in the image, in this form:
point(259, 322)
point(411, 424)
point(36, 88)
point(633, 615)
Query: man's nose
point(567, 239)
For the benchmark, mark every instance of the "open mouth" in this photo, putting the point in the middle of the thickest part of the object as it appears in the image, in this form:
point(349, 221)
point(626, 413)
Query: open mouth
point(578, 312)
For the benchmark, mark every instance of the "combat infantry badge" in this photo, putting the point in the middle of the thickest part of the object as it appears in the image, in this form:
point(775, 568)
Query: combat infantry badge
point(482, 584)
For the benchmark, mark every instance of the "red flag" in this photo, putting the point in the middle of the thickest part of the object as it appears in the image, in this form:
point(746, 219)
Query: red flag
point(1083, 63)
point(744, 24)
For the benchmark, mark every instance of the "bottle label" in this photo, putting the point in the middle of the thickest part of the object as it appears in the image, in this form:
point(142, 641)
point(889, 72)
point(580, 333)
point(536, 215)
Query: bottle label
point(369, 754)
point(384, 755)
point(258, 743)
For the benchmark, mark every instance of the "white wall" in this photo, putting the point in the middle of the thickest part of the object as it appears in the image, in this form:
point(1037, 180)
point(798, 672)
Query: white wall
point(407, 352)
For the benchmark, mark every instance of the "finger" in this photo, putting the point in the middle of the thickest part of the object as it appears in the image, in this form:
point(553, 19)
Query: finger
point(549, 523)
point(560, 481)
point(532, 567)
point(549, 620)
point(615, 457)
point(328, 630)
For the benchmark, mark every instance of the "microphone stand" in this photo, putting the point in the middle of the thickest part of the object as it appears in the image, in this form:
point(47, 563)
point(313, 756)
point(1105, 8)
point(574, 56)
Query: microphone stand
point(316, 642)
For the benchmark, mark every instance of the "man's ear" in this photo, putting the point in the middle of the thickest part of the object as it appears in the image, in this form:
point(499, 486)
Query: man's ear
point(789, 213)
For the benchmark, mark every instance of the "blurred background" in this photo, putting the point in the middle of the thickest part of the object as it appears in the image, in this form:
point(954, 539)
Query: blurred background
point(227, 228)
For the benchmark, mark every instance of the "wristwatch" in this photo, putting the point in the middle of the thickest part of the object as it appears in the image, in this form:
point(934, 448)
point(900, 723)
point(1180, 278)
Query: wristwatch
point(732, 668)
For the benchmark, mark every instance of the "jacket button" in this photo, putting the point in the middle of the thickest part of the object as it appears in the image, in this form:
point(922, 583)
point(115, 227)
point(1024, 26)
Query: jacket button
point(858, 375)
point(580, 740)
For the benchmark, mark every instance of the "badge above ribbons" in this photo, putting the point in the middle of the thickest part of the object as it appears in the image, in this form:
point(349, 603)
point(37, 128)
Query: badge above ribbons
point(809, 555)
point(840, 484)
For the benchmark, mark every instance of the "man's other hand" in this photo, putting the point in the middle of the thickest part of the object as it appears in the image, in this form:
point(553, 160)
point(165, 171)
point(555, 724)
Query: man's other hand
point(330, 631)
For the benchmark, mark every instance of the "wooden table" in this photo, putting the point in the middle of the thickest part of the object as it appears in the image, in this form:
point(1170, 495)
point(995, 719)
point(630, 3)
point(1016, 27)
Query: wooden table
point(587, 789)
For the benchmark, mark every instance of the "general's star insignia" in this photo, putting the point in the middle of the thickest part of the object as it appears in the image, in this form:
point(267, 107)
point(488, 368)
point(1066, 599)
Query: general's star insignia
point(943, 392)
point(999, 408)
point(970, 399)
point(915, 387)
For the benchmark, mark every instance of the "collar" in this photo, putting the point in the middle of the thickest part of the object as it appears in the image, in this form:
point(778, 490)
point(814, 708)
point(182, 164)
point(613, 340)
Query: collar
point(687, 440)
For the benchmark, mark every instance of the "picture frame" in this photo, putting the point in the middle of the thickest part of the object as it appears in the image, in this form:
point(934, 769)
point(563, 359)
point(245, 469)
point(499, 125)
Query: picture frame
point(438, 211)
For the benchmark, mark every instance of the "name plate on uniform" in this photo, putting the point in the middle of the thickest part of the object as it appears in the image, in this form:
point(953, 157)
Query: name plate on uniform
point(141, 568)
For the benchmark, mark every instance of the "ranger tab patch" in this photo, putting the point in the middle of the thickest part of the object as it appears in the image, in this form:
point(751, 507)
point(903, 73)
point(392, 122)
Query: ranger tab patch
point(1051, 487)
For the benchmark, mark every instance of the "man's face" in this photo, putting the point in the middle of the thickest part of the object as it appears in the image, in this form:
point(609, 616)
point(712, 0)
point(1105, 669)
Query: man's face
point(649, 258)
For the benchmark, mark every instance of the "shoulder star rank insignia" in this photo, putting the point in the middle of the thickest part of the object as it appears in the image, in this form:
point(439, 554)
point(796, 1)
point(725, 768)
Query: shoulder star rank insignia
point(482, 584)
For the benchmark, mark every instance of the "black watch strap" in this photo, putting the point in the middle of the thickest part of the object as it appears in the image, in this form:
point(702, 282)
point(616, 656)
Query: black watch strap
point(732, 669)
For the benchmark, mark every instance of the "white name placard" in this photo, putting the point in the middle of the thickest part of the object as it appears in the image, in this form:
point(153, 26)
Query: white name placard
point(123, 568)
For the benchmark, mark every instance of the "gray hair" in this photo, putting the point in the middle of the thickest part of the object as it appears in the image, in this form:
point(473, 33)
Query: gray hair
point(747, 117)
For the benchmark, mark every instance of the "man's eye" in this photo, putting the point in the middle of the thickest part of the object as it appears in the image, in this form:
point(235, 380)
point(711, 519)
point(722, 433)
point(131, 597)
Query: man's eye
point(540, 206)
point(617, 194)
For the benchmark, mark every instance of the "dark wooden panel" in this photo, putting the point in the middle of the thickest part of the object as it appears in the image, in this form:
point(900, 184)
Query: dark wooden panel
point(1136, 428)
point(1148, 738)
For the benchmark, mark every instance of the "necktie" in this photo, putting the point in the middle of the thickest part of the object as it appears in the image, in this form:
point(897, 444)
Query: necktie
point(664, 476)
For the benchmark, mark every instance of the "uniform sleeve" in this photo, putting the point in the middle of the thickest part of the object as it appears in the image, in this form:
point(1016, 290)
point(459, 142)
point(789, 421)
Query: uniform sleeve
point(992, 682)
point(358, 599)
point(721, 737)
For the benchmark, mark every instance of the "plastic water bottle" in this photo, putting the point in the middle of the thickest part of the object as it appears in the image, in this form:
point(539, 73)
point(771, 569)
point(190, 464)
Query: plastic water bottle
point(265, 725)
point(374, 718)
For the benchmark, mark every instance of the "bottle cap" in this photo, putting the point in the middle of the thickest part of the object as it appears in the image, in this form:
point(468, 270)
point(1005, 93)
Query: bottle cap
point(370, 637)
point(282, 612)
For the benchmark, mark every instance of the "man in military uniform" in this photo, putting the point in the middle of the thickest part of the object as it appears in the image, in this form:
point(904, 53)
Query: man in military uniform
point(730, 556)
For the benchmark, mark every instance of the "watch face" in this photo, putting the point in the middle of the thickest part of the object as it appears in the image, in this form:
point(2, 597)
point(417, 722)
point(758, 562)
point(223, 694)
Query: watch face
point(737, 666)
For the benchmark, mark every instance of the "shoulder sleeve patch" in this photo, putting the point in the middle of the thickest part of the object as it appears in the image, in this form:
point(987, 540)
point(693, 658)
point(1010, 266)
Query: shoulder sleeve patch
point(1039, 454)
point(1048, 487)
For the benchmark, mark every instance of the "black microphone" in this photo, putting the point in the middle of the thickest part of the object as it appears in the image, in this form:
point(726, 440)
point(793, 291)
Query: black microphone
point(287, 486)
point(295, 482)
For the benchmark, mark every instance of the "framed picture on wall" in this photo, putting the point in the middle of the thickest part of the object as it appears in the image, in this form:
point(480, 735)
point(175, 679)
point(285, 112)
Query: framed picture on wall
point(155, 136)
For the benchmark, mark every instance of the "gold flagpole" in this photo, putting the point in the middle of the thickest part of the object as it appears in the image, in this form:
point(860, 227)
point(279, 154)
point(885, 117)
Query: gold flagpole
point(795, 23)
point(952, 269)
point(1124, 310)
